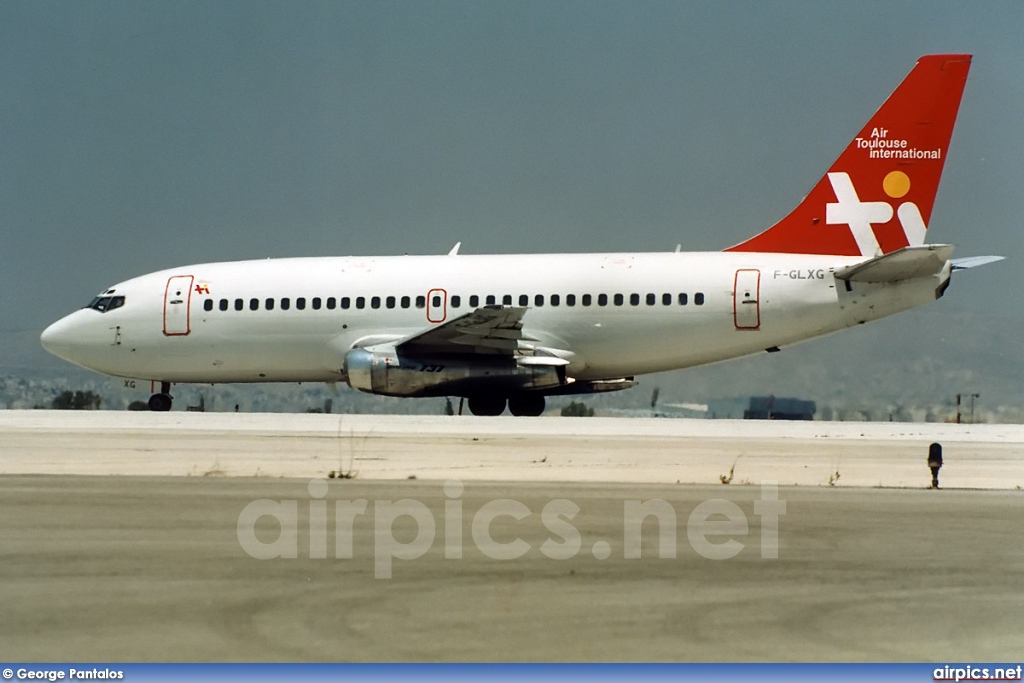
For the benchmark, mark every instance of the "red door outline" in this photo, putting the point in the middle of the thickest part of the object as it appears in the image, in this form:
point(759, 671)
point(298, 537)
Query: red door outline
point(746, 299)
point(178, 293)
point(437, 313)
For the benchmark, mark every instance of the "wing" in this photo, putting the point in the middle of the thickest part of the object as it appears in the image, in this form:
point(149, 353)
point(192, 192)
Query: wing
point(487, 331)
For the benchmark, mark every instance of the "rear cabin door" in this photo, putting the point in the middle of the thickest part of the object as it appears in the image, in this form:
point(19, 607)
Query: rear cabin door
point(177, 300)
point(746, 307)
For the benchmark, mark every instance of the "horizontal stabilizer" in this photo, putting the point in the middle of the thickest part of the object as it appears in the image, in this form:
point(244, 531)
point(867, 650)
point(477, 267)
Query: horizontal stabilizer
point(903, 264)
point(974, 261)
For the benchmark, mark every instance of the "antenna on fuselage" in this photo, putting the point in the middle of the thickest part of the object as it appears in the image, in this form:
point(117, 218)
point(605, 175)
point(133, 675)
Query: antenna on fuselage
point(455, 249)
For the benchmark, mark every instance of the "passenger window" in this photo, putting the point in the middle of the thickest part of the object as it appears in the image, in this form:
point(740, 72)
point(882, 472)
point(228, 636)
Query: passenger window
point(345, 302)
point(375, 302)
point(474, 300)
point(602, 299)
point(524, 299)
point(208, 305)
point(239, 304)
point(490, 300)
point(586, 299)
point(456, 301)
point(300, 303)
point(269, 304)
point(506, 300)
point(223, 304)
point(682, 299)
point(406, 302)
point(698, 299)
point(316, 303)
point(421, 301)
point(538, 300)
point(254, 304)
point(360, 302)
point(332, 303)
point(554, 300)
point(286, 303)
point(390, 302)
point(435, 301)
point(666, 299)
point(570, 299)
point(619, 299)
point(651, 299)
point(634, 299)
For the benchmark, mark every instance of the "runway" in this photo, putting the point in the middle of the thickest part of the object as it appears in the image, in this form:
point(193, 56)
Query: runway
point(151, 569)
point(138, 561)
point(368, 447)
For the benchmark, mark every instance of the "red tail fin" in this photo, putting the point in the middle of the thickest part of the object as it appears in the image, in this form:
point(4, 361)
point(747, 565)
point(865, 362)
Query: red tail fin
point(878, 195)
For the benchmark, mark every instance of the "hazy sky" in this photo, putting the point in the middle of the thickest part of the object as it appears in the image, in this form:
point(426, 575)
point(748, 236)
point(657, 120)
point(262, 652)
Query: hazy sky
point(137, 135)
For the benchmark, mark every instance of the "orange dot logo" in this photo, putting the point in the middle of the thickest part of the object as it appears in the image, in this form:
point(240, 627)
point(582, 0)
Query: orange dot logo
point(896, 184)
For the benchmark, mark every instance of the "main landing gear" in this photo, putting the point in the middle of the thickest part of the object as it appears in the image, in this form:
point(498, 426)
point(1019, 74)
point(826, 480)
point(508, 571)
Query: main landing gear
point(161, 403)
point(521, 405)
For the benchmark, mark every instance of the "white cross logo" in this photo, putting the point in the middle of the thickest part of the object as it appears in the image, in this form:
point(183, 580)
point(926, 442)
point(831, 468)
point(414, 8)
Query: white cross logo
point(857, 214)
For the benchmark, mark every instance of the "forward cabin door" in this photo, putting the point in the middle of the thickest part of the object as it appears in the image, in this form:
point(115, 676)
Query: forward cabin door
point(177, 300)
point(746, 307)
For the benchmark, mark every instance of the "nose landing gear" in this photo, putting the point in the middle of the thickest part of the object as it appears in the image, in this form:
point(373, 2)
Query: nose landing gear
point(161, 403)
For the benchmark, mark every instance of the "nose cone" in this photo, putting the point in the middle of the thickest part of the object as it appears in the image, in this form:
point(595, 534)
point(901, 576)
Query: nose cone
point(60, 337)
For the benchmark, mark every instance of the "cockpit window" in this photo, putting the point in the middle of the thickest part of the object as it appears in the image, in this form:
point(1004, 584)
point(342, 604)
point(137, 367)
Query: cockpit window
point(106, 303)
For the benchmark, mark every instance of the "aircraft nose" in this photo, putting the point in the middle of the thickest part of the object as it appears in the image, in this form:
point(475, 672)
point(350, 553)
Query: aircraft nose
point(59, 338)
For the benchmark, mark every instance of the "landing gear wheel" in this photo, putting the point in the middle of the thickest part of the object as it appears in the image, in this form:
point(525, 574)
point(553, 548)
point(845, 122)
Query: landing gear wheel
point(526, 405)
point(160, 403)
point(487, 405)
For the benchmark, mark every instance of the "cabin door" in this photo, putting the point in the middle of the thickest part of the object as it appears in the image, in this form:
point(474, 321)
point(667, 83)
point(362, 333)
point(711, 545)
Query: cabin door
point(437, 305)
point(746, 306)
point(177, 299)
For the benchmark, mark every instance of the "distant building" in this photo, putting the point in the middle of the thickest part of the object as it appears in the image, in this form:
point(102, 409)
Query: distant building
point(762, 408)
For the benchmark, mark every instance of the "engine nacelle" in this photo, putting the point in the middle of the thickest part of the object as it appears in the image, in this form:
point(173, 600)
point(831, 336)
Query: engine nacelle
point(395, 375)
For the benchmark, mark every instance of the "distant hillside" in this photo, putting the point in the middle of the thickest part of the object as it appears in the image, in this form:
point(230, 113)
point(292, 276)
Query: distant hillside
point(920, 357)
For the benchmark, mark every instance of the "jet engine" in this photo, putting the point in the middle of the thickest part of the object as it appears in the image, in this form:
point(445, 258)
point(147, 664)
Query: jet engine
point(397, 375)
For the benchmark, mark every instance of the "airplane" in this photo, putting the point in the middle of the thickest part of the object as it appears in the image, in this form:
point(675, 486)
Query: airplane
point(507, 331)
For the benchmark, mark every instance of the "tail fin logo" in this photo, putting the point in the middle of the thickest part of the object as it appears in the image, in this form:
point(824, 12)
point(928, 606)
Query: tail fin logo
point(908, 137)
point(860, 216)
point(880, 146)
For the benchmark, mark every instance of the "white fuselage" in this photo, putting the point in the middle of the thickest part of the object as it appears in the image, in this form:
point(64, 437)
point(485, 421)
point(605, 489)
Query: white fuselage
point(732, 305)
